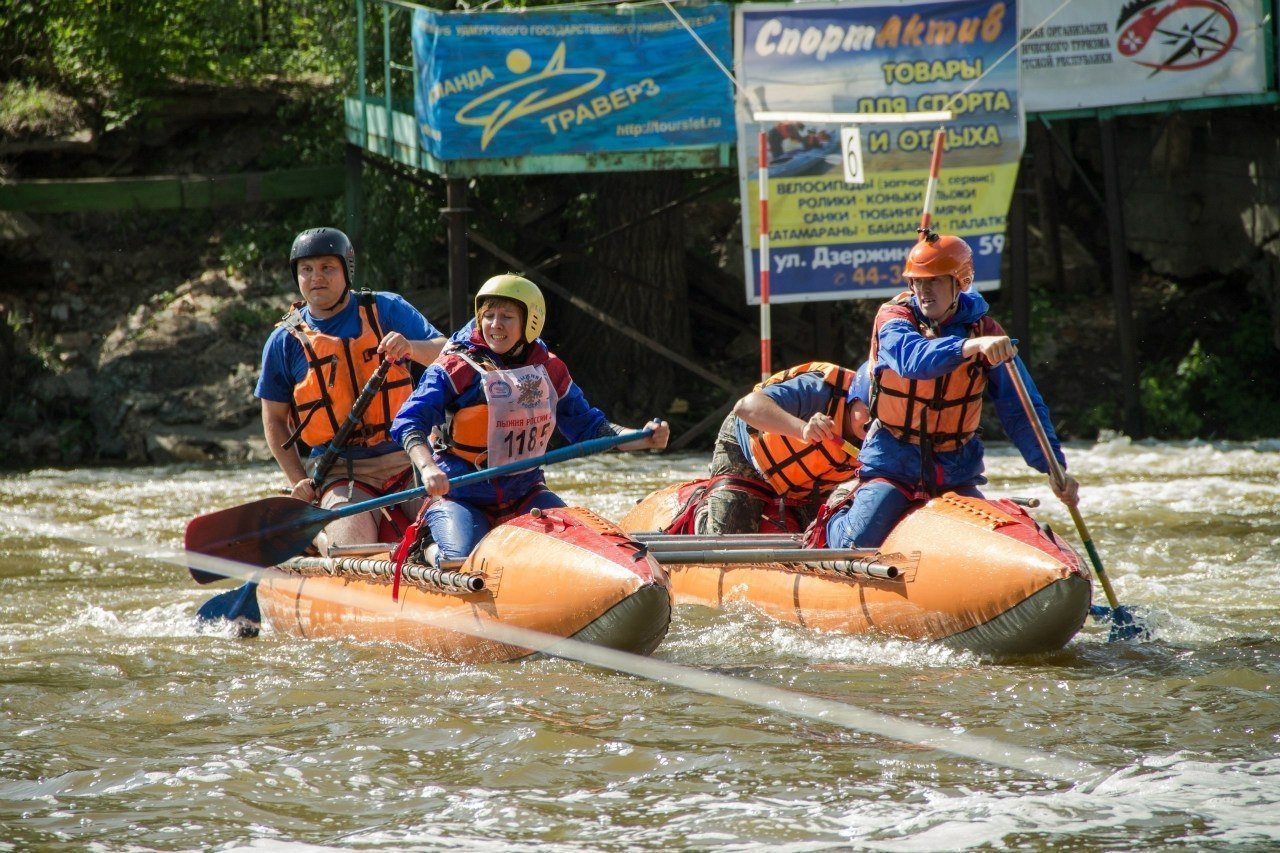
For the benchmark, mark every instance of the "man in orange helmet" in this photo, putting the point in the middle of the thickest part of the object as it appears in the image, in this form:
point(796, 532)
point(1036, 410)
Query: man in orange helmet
point(934, 351)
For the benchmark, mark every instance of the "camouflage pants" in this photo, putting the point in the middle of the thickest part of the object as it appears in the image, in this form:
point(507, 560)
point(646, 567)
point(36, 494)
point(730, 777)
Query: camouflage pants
point(728, 510)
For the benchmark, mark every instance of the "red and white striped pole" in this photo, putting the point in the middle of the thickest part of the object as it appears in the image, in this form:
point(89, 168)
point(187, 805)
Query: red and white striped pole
point(931, 189)
point(766, 331)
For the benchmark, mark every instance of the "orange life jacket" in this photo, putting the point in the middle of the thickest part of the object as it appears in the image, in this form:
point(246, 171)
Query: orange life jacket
point(794, 467)
point(337, 370)
point(947, 409)
point(466, 432)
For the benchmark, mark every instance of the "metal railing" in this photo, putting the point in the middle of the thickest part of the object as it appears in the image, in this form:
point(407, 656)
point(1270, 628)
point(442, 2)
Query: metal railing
point(392, 12)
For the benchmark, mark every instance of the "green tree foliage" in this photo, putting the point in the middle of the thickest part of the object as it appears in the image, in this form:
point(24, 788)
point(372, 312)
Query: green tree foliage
point(1215, 390)
point(111, 55)
point(1167, 395)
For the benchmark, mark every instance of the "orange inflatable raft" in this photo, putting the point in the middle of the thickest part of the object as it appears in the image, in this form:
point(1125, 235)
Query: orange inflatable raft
point(973, 574)
point(562, 572)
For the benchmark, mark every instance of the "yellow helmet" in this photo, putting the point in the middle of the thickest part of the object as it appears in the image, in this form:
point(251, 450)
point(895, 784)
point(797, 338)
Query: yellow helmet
point(518, 289)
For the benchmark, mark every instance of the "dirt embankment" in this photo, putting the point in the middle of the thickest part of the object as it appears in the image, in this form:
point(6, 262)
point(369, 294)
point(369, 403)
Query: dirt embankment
point(125, 338)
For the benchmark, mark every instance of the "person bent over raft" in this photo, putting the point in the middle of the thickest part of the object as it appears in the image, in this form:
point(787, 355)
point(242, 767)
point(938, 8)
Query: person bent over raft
point(784, 448)
point(494, 397)
point(314, 366)
point(934, 351)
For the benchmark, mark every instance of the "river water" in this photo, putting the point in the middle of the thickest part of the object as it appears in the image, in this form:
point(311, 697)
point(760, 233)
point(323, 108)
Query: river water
point(124, 728)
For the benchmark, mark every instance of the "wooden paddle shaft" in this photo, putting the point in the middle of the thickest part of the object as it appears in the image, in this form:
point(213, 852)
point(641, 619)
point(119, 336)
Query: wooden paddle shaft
point(1059, 477)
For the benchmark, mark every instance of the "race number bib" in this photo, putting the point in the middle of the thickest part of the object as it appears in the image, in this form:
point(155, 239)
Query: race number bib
point(522, 413)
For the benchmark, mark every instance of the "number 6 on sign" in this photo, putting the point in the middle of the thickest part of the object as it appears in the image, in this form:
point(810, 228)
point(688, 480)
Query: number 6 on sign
point(851, 151)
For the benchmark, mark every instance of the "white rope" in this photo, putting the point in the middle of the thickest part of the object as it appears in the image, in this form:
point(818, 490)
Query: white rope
point(735, 689)
point(1017, 44)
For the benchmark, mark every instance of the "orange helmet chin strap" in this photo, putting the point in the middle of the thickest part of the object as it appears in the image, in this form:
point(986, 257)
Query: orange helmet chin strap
point(955, 296)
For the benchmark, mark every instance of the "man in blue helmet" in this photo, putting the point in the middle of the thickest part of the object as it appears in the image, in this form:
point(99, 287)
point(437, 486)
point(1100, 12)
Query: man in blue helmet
point(784, 448)
point(314, 366)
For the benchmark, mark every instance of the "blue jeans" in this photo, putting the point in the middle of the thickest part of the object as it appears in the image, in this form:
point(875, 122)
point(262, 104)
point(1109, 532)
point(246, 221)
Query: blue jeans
point(865, 522)
point(458, 526)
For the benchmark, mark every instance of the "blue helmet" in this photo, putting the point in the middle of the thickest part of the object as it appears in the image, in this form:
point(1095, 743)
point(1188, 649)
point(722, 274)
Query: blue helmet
point(860, 388)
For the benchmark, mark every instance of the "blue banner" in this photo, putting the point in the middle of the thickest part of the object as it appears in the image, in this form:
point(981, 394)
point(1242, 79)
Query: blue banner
point(510, 84)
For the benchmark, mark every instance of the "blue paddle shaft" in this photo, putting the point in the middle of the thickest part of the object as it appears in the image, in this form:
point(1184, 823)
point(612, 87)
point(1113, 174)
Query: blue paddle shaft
point(573, 451)
point(266, 532)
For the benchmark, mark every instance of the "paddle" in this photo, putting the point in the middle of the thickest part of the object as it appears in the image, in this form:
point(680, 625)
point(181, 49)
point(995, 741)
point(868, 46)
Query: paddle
point(269, 531)
point(240, 605)
point(1123, 624)
point(358, 408)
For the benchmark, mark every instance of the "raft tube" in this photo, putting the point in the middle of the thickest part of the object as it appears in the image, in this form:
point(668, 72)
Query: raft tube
point(979, 575)
point(563, 572)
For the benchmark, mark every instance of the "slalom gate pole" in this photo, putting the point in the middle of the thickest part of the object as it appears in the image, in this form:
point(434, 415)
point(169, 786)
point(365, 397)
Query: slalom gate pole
point(766, 326)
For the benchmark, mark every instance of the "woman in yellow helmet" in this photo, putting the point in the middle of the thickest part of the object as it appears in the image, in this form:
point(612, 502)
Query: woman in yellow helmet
point(495, 396)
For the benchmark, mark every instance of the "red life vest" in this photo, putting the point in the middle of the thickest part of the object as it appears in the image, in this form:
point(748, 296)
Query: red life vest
point(797, 468)
point(466, 429)
point(337, 370)
point(947, 410)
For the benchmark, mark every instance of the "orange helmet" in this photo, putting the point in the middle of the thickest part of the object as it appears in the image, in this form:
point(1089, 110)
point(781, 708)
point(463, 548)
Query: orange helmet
point(941, 255)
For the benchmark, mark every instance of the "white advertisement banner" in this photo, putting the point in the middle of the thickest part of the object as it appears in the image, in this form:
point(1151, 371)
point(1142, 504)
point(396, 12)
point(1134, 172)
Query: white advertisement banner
point(1099, 53)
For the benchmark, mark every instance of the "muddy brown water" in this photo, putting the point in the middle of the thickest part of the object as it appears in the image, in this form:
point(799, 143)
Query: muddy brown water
point(124, 728)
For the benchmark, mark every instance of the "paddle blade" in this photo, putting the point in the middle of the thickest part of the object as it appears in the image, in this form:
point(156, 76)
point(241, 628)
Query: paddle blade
point(262, 533)
point(1100, 612)
point(1125, 626)
point(239, 606)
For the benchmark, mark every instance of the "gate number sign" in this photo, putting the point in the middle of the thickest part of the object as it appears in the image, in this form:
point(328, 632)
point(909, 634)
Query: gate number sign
point(851, 154)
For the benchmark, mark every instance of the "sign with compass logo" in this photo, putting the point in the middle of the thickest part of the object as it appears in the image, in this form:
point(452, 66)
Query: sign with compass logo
point(1085, 55)
point(1176, 35)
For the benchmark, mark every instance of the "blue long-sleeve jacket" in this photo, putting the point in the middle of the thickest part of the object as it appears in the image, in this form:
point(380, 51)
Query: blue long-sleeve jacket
point(451, 384)
point(906, 352)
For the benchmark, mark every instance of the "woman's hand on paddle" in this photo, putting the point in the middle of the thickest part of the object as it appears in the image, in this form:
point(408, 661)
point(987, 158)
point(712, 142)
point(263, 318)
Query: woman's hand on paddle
point(304, 490)
point(435, 480)
point(656, 441)
point(820, 427)
point(1068, 491)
